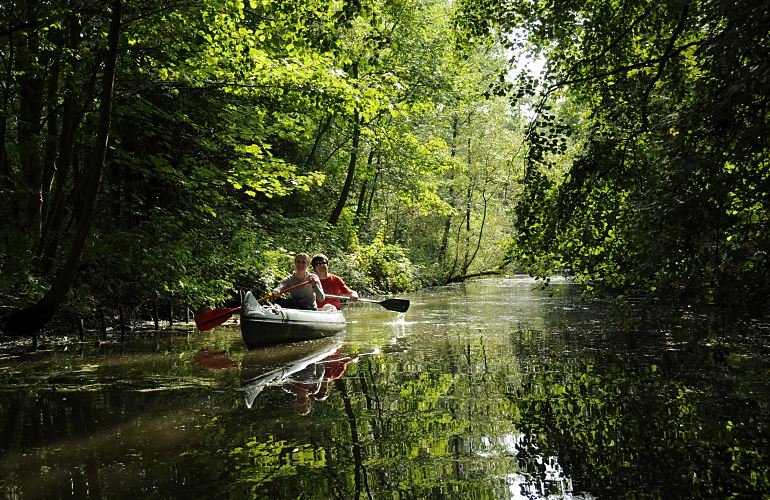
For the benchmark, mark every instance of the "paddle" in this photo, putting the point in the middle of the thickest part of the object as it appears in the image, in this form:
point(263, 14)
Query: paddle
point(398, 305)
point(210, 319)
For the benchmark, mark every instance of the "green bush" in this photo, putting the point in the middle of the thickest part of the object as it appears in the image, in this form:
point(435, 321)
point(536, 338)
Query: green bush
point(385, 267)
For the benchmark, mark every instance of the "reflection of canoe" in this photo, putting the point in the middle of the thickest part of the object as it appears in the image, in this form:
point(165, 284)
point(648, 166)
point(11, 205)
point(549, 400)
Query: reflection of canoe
point(262, 326)
point(273, 365)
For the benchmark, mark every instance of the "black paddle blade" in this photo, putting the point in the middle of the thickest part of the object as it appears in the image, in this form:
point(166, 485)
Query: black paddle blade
point(398, 305)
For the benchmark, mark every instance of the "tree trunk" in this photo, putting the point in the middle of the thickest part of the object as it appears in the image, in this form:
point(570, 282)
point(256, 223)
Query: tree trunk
point(70, 121)
point(310, 160)
point(362, 193)
point(360, 203)
point(481, 231)
point(30, 81)
point(52, 118)
point(5, 167)
point(373, 187)
point(38, 315)
point(468, 211)
point(345, 192)
point(448, 220)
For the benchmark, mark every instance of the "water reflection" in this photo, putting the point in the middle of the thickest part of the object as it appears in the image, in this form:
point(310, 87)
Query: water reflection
point(303, 369)
point(485, 390)
point(207, 358)
point(300, 368)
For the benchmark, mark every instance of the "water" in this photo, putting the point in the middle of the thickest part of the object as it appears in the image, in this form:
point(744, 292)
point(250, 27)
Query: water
point(487, 390)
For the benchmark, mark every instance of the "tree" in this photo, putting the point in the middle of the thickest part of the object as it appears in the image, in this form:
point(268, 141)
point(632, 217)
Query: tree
point(232, 126)
point(666, 195)
point(34, 317)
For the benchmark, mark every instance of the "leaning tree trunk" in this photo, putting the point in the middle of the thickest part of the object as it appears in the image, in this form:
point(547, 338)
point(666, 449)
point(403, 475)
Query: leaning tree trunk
point(359, 217)
point(72, 116)
point(38, 315)
point(345, 192)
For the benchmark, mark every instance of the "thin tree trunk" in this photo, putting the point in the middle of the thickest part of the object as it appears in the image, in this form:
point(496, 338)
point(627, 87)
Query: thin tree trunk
point(345, 192)
point(453, 268)
point(310, 160)
point(468, 210)
point(71, 119)
point(362, 193)
point(361, 201)
point(481, 233)
point(373, 187)
point(38, 315)
point(448, 220)
point(52, 113)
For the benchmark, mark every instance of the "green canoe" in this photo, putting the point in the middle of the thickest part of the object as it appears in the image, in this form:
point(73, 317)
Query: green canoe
point(261, 326)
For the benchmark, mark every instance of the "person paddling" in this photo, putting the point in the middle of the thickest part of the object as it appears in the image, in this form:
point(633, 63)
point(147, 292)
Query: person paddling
point(304, 297)
point(331, 283)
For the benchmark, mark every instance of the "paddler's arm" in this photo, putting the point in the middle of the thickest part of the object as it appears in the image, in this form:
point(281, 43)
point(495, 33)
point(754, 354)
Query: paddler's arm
point(285, 283)
point(317, 288)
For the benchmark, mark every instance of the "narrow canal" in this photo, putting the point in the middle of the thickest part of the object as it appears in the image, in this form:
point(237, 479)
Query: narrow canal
point(492, 389)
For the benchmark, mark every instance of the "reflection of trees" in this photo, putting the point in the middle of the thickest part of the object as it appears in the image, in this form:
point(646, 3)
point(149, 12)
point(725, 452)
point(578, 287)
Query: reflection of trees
point(631, 428)
point(263, 461)
point(359, 472)
point(421, 436)
point(475, 423)
point(382, 431)
point(72, 423)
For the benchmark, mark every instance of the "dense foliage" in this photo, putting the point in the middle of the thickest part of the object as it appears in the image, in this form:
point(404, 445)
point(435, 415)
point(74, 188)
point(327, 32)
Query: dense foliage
point(667, 194)
point(239, 134)
point(166, 149)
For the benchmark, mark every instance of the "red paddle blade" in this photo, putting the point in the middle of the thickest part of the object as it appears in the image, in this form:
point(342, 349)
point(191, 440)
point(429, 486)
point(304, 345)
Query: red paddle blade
point(211, 319)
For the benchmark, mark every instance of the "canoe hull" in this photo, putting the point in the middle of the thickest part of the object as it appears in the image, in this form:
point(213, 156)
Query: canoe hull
point(262, 326)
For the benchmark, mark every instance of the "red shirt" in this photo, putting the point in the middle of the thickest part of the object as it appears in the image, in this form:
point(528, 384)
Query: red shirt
point(334, 285)
point(336, 368)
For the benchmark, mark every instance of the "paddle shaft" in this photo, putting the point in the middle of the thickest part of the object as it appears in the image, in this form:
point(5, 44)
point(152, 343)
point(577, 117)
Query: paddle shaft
point(306, 282)
point(399, 305)
point(345, 297)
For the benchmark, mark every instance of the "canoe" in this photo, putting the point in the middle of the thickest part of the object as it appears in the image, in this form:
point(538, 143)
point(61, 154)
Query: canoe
point(261, 326)
point(275, 365)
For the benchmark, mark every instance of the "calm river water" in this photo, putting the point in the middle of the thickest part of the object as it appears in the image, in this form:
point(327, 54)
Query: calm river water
point(492, 389)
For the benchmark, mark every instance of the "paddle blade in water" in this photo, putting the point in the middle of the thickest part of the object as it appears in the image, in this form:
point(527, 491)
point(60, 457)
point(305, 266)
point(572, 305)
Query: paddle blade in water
point(398, 305)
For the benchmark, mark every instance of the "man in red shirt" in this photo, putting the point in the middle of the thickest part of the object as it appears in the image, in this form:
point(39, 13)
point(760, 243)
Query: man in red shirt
point(331, 283)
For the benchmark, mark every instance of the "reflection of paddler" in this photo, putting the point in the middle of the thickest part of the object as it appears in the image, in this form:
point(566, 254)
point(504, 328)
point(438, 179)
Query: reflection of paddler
point(334, 368)
point(304, 383)
point(212, 359)
point(313, 381)
point(275, 365)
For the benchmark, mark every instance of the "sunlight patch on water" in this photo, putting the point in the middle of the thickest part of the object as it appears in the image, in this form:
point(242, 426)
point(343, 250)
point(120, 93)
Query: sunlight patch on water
point(554, 483)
